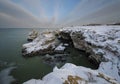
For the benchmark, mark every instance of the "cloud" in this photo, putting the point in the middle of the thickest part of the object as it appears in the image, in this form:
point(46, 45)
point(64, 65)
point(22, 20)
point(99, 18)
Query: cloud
point(52, 13)
point(12, 15)
point(35, 7)
point(94, 11)
point(42, 9)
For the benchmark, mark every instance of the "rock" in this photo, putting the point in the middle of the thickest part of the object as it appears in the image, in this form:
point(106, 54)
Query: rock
point(119, 41)
point(94, 40)
point(102, 45)
point(96, 59)
point(72, 74)
point(55, 59)
point(79, 42)
point(64, 37)
point(60, 48)
point(32, 35)
point(43, 44)
point(112, 48)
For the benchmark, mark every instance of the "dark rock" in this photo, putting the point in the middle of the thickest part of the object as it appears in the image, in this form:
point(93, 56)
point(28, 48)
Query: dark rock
point(64, 37)
point(32, 35)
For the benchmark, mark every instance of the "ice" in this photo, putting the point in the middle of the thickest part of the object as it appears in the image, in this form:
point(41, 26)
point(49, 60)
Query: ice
point(5, 78)
point(60, 47)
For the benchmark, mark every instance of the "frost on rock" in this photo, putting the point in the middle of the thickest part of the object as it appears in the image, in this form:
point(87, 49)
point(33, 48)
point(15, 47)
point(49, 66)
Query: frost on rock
point(72, 74)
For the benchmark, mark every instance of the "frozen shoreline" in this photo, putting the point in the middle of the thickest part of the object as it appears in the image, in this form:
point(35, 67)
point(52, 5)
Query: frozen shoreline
point(102, 40)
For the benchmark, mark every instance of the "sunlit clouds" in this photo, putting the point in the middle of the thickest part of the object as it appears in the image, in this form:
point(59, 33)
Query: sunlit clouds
point(57, 13)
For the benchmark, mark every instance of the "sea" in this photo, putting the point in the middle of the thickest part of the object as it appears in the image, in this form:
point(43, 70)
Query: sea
point(16, 69)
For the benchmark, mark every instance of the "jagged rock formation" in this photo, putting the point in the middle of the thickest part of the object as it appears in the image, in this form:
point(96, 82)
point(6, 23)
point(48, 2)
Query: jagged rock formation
point(45, 43)
point(100, 42)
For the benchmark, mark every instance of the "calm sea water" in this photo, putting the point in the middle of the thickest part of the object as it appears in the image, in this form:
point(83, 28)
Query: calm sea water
point(10, 55)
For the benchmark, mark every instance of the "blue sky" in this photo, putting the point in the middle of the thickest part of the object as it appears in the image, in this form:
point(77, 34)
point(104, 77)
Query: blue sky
point(57, 13)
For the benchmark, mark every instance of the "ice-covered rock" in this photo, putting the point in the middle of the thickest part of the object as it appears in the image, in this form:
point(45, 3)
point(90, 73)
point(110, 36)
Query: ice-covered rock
point(72, 74)
point(102, 44)
point(32, 35)
point(60, 48)
point(43, 44)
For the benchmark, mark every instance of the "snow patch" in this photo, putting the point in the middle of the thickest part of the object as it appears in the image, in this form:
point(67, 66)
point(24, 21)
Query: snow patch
point(72, 72)
point(60, 47)
point(5, 78)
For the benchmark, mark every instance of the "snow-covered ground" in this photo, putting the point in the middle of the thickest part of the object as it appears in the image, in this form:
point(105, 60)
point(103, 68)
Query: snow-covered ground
point(72, 74)
point(107, 41)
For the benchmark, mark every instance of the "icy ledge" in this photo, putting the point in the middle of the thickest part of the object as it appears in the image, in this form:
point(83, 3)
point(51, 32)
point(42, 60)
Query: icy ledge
point(72, 74)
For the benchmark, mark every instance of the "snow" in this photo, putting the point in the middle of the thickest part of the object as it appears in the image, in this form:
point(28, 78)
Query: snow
point(60, 47)
point(105, 38)
point(5, 78)
point(39, 43)
point(59, 76)
point(34, 81)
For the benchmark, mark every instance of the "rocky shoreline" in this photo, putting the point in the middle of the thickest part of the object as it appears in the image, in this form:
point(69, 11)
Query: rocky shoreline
point(45, 43)
point(101, 43)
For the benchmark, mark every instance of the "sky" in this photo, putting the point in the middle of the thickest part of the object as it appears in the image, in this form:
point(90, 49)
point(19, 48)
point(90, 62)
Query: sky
point(57, 13)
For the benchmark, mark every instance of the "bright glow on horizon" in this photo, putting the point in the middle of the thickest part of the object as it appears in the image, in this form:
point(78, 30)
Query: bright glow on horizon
point(56, 13)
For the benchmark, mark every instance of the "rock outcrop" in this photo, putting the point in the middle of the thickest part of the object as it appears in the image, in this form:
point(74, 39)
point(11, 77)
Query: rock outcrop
point(101, 43)
point(72, 74)
point(45, 43)
point(32, 35)
point(78, 40)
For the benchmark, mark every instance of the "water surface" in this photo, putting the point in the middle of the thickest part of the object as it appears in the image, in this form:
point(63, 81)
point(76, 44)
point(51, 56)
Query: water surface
point(26, 68)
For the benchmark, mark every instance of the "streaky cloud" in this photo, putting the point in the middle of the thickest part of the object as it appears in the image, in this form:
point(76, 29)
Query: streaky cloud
point(57, 13)
point(13, 15)
point(94, 11)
